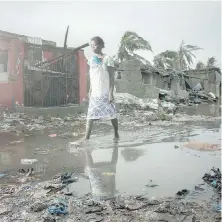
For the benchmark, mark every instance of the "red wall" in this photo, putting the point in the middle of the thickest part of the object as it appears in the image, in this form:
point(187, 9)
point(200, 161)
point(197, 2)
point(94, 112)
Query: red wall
point(82, 70)
point(12, 92)
point(5, 92)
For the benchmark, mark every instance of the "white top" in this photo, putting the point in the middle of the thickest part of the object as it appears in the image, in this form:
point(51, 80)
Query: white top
point(99, 76)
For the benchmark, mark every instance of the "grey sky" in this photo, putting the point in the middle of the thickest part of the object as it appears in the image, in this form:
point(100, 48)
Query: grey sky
point(163, 24)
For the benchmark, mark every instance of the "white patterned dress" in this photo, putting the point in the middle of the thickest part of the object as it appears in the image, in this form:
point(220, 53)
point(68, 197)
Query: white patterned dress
point(99, 106)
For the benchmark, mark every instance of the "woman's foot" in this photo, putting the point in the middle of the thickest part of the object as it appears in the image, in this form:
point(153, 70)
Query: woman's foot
point(116, 136)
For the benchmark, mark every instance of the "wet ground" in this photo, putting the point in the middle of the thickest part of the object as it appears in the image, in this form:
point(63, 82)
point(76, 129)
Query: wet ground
point(154, 153)
point(150, 158)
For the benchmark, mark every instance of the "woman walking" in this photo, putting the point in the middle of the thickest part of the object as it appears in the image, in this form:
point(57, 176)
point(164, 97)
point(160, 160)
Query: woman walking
point(101, 104)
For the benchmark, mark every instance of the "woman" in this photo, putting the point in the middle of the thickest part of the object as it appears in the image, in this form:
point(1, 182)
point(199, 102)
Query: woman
point(101, 104)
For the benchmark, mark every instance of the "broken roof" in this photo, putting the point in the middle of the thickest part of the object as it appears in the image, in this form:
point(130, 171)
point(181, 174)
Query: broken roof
point(203, 71)
point(4, 34)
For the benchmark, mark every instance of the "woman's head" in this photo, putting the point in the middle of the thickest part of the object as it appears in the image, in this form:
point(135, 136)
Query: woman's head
point(97, 44)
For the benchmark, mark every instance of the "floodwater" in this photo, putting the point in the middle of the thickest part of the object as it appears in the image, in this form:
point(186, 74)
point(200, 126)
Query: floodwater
point(143, 156)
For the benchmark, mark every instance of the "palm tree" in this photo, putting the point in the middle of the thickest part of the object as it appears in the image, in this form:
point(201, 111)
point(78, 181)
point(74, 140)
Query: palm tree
point(186, 54)
point(178, 60)
point(131, 42)
point(166, 60)
point(200, 65)
point(211, 62)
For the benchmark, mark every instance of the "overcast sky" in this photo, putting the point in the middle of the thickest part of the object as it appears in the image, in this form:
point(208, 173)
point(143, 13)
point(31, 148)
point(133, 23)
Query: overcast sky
point(163, 24)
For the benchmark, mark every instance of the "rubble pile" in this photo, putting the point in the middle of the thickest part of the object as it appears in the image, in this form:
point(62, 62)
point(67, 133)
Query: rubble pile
point(129, 102)
point(213, 179)
point(40, 202)
point(21, 123)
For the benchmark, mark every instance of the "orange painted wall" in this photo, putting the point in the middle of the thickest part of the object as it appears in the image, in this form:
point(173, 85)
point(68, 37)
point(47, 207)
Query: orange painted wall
point(82, 70)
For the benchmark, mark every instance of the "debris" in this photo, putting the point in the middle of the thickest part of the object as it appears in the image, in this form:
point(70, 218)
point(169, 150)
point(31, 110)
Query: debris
point(197, 87)
point(28, 161)
point(59, 206)
point(49, 219)
point(67, 178)
point(54, 187)
point(2, 175)
point(202, 146)
point(38, 207)
point(53, 135)
point(43, 152)
point(210, 94)
point(183, 192)
point(198, 188)
point(217, 207)
point(14, 142)
point(213, 179)
point(176, 147)
point(152, 185)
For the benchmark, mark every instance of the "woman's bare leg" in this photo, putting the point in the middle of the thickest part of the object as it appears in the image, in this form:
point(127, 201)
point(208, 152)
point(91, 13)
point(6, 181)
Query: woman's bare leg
point(89, 125)
point(115, 126)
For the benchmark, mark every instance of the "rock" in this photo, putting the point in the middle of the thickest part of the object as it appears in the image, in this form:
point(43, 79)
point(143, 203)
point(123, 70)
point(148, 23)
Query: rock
point(4, 211)
point(38, 207)
point(183, 94)
point(210, 94)
point(49, 219)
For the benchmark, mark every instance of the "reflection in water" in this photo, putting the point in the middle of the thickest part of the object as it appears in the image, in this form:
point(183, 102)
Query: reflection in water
point(102, 175)
point(131, 154)
point(5, 158)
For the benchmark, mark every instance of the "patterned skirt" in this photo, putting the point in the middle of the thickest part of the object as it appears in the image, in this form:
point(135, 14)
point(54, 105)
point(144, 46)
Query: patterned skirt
point(100, 108)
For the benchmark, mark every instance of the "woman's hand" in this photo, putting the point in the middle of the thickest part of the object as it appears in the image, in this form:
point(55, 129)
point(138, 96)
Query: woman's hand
point(111, 97)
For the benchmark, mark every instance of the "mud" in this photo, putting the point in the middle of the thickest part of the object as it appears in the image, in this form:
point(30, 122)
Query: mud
point(144, 162)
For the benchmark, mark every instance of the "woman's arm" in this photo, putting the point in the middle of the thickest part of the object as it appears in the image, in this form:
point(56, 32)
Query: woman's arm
point(111, 79)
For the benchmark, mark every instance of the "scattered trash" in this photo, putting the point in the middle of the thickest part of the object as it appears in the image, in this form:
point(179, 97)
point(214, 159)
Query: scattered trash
point(183, 192)
point(53, 135)
point(198, 188)
point(217, 207)
point(67, 178)
point(197, 87)
point(202, 146)
point(2, 175)
point(213, 179)
point(25, 171)
point(28, 161)
point(67, 192)
point(14, 142)
point(176, 147)
point(211, 95)
point(38, 207)
point(49, 219)
point(43, 152)
point(60, 206)
point(152, 185)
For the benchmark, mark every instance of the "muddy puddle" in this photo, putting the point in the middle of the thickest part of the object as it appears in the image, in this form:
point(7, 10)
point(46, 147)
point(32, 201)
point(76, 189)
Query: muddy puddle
point(151, 161)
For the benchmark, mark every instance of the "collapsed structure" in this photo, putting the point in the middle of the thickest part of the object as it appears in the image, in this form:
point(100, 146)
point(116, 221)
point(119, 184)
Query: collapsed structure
point(146, 81)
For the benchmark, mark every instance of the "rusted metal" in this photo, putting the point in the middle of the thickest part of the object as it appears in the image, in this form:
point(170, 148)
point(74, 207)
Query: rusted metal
point(52, 83)
point(63, 56)
point(66, 36)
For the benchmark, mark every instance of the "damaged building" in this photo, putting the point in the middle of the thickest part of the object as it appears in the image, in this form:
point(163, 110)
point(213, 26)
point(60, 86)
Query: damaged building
point(146, 81)
point(37, 73)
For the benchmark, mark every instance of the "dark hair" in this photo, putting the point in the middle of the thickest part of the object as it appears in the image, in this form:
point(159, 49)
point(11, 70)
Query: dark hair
point(98, 40)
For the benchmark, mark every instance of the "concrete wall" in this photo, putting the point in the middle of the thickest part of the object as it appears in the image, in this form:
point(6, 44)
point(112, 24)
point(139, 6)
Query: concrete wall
point(82, 71)
point(11, 91)
point(140, 85)
point(210, 78)
point(131, 79)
